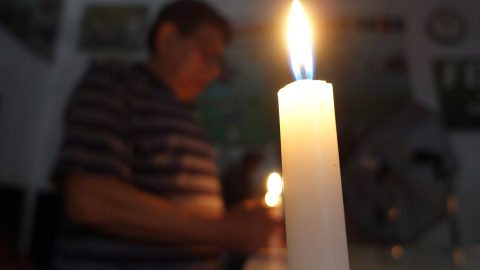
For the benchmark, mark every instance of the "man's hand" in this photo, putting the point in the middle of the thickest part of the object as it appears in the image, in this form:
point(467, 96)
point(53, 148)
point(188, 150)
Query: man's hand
point(246, 227)
point(108, 205)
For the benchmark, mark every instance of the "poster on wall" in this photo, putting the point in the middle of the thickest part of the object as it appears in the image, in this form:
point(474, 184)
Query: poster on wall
point(458, 85)
point(34, 22)
point(113, 27)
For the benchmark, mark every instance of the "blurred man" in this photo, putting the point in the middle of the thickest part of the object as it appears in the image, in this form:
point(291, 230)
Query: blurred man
point(138, 175)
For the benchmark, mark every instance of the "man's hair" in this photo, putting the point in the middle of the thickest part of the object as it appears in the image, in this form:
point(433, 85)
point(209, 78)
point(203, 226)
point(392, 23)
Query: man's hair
point(187, 16)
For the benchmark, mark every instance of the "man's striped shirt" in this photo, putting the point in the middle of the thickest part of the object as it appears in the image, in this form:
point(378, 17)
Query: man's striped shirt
point(123, 122)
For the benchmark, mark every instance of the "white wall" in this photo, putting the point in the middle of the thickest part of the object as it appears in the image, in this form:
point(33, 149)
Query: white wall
point(23, 80)
point(34, 92)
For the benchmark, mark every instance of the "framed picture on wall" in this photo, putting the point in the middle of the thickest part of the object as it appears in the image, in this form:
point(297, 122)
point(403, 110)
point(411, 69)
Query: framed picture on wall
point(113, 27)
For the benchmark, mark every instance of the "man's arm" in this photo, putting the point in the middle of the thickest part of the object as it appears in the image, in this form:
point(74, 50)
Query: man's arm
point(114, 207)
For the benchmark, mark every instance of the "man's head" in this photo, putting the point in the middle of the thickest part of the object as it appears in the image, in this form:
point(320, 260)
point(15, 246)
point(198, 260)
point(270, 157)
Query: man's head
point(187, 44)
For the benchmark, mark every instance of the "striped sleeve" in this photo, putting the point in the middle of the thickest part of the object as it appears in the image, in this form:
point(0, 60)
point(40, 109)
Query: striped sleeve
point(97, 128)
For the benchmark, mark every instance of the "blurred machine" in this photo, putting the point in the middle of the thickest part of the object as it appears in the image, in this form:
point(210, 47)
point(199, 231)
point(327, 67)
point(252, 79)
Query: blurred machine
point(398, 180)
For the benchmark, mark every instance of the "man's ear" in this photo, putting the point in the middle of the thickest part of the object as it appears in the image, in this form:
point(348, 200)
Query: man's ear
point(167, 38)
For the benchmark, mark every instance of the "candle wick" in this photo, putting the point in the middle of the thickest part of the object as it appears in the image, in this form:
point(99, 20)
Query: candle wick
point(303, 72)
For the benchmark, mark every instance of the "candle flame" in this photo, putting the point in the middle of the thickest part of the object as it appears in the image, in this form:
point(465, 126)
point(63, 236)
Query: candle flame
point(300, 43)
point(272, 199)
point(274, 183)
point(274, 187)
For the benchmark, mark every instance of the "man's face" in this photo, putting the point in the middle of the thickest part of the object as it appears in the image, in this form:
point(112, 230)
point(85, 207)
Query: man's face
point(199, 61)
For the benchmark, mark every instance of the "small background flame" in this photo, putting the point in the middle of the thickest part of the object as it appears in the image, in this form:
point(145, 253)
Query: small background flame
point(275, 189)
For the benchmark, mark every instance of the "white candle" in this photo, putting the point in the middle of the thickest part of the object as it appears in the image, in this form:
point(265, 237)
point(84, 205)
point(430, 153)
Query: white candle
point(314, 214)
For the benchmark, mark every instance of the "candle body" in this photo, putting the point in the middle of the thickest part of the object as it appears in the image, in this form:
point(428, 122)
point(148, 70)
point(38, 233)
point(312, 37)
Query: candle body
point(315, 221)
